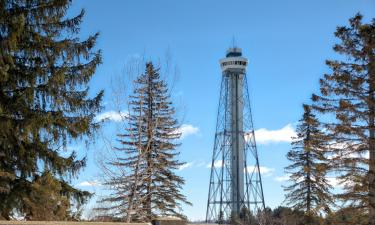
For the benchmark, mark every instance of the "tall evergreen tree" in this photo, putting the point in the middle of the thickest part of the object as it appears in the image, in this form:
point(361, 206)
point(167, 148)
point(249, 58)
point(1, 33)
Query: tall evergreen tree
point(127, 172)
point(149, 186)
point(348, 95)
point(45, 201)
point(309, 188)
point(44, 103)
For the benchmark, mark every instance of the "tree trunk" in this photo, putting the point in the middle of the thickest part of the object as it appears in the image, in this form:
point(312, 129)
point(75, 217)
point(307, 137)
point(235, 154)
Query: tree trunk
point(133, 192)
point(149, 191)
point(372, 144)
point(150, 149)
point(308, 200)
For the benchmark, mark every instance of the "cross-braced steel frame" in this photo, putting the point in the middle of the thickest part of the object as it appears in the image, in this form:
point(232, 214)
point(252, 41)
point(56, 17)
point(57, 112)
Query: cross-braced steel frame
point(219, 205)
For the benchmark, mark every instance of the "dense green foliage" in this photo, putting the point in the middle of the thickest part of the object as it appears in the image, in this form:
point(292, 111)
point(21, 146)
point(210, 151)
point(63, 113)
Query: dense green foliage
point(44, 103)
point(287, 216)
point(347, 101)
point(147, 186)
point(309, 190)
point(45, 200)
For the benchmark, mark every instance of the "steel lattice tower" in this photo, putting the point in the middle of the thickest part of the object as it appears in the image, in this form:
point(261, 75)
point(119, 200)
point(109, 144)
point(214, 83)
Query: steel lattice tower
point(235, 181)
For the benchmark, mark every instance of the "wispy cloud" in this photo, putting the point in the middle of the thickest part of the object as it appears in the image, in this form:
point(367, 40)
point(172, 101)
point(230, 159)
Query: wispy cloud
point(282, 178)
point(93, 183)
point(265, 136)
point(193, 164)
point(354, 152)
point(337, 183)
point(334, 181)
point(201, 163)
point(187, 130)
point(186, 165)
point(266, 171)
point(217, 164)
point(116, 116)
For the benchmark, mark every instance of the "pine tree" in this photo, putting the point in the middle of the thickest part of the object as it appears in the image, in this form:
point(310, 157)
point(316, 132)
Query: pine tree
point(347, 97)
point(44, 102)
point(148, 156)
point(346, 216)
point(45, 201)
point(309, 189)
point(128, 178)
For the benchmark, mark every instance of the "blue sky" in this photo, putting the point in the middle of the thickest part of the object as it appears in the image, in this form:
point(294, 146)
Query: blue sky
point(286, 43)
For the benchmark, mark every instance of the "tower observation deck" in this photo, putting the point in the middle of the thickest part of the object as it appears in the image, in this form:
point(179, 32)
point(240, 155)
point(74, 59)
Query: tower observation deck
point(235, 182)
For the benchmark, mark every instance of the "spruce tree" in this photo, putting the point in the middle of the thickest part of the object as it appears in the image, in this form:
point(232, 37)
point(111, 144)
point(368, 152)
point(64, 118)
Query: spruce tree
point(45, 201)
point(127, 173)
point(309, 190)
point(44, 102)
point(147, 154)
point(347, 98)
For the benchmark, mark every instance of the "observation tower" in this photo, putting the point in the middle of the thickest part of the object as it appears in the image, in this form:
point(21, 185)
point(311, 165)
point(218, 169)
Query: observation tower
point(235, 182)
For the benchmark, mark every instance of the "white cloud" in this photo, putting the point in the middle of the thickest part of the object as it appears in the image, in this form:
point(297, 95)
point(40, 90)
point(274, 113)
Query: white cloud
point(89, 183)
point(285, 134)
point(187, 129)
point(351, 153)
point(116, 116)
point(196, 164)
point(217, 164)
point(282, 178)
point(266, 171)
point(335, 182)
point(263, 170)
point(201, 163)
point(186, 165)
